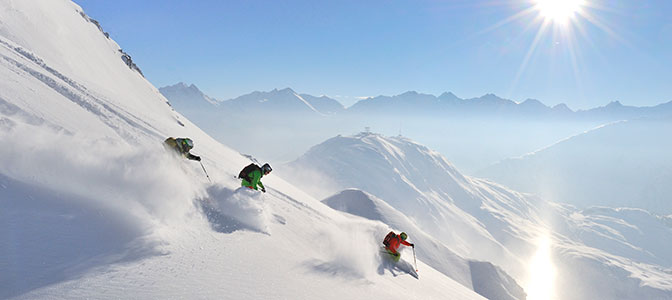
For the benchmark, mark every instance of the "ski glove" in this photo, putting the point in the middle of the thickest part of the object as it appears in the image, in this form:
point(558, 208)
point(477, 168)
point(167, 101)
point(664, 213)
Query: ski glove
point(263, 190)
point(412, 245)
point(198, 158)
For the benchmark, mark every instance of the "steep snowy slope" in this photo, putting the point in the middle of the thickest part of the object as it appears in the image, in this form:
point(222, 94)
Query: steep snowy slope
point(627, 163)
point(420, 183)
point(552, 250)
point(92, 206)
point(484, 278)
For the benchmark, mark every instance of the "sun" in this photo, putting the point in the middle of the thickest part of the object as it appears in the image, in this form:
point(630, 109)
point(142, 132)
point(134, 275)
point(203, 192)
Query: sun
point(559, 11)
point(564, 23)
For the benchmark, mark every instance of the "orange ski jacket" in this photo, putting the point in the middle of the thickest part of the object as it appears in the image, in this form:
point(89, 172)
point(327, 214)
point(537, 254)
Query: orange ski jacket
point(395, 243)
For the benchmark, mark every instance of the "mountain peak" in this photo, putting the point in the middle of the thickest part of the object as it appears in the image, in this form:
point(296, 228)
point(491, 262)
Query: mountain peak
point(533, 103)
point(614, 104)
point(529, 101)
point(285, 100)
point(184, 95)
point(366, 134)
point(285, 91)
point(562, 107)
point(449, 96)
point(182, 86)
point(409, 93)
point(491, 99)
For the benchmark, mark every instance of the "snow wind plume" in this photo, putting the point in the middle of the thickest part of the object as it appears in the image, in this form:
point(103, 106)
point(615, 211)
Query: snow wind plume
point(141, 181)
point(69, 204)
point(349, 251)
point(230, 210)
point(313, 181)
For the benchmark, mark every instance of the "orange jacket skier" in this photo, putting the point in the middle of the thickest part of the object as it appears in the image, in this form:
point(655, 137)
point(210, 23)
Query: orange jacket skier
point(393, 241)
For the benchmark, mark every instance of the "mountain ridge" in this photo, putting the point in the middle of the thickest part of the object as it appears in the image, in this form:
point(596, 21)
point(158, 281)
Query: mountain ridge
point(446, 103)
point(428, 190)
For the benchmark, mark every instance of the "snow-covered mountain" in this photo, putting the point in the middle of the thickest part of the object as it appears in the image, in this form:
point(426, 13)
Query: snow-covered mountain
point(261, 122)
point(275, 101)
point(626, 163)
point(593, 253)
point(409, 103)
point(616, 111)
point(483, 277)
point(475, 133)
point(92, 206)
point(267, 103)
point(187, 97)
point(324, 104)
point(449, 105)
point(491, 105)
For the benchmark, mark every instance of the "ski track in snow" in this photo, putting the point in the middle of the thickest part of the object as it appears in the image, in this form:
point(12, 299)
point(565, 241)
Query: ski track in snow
point(81, 97)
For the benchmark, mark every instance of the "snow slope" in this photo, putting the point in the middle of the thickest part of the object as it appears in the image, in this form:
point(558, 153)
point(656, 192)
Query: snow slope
point(420, 183)
point(554, 251)
point(483, 277)
point(93, 207)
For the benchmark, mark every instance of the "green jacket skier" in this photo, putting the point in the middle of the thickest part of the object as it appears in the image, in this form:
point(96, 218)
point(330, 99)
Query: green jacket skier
point(182, 146)
point(251, 176)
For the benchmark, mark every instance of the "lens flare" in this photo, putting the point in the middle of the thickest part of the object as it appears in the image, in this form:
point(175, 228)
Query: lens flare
point(541, 282)
point(559, 11)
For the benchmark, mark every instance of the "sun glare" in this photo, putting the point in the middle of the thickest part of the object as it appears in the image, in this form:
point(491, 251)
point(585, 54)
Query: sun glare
point(559, 11)
point(561, 32)
point(541, 282)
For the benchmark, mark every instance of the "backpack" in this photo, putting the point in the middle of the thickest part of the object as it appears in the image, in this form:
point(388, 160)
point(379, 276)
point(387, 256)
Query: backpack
point(170, 142)
point(245, 172)
point(388, 238)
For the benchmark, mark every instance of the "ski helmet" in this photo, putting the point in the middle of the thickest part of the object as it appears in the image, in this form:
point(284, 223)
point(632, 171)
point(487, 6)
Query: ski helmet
point(188, 143)
point(403, 236)
point(266, 168)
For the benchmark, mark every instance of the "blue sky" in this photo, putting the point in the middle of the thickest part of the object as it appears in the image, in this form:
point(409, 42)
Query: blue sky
point(348, 49)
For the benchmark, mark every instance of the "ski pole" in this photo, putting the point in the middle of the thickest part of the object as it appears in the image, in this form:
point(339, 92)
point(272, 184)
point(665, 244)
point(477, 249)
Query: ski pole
point(415, 261)
point(206, 172)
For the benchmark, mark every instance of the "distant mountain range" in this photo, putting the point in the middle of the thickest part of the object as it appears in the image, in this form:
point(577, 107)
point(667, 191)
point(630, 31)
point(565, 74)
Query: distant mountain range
point(474, 133)
point(189, 97)
point(627, 163)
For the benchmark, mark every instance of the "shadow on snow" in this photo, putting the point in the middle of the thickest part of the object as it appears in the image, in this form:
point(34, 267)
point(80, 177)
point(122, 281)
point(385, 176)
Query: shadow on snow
point(50, 237)
point(401, 267)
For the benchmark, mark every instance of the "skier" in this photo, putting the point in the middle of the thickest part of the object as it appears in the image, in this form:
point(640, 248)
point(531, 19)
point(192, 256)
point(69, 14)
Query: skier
point(182, 146)
point(251, 176)
point(392, 242)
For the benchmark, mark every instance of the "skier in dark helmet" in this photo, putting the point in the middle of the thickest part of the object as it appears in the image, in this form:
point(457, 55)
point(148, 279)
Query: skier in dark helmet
point(182, 146)
point(251, 176)
point(392, 242)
